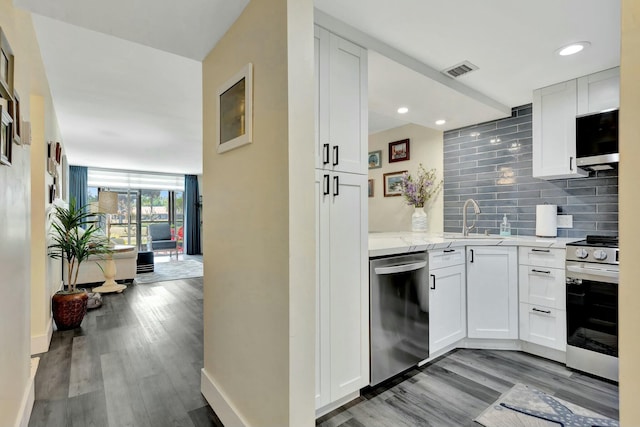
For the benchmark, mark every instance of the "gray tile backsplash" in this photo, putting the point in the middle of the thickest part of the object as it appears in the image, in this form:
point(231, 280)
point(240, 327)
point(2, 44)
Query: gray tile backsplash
point(492, 163)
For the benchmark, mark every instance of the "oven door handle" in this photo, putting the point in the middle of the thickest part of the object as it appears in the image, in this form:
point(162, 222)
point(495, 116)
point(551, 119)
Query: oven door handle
point(593, 271)
point(401, 268)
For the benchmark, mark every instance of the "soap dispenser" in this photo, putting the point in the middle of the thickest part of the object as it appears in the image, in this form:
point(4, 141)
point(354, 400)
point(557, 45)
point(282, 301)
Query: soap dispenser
point(505, 227)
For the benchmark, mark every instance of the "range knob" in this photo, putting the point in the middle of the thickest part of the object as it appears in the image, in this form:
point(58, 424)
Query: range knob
point(600, 255)
point(582, 253)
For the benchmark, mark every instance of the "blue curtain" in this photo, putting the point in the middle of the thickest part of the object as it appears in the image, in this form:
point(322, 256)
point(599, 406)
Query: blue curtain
point(192, 207)
point(78, 185)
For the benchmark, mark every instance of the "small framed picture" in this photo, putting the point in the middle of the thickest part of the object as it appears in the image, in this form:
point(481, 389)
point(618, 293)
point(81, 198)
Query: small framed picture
point(375, 159)
point(371, 188)
point(6, 137)
point(6, 67)
point(399, 151)
point(393, 184)
point(235, 110)
point(14, 112)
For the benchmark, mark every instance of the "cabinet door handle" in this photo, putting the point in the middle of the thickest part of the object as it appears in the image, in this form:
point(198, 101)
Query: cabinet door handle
point(540, 271)
point(325, 154)
point(325, 185)
point(570, 163)
point(433, 285)
point(541, 311)
point(335, 155)
point(471, 250)
point(336, 185)
point(540, 250)
point(449, 250)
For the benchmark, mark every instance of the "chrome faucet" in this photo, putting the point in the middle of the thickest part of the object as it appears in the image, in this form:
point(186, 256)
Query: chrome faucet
point(476, 209)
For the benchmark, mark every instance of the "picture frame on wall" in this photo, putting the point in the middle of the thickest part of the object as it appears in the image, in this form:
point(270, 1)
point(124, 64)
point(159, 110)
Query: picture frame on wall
point(399, 151)
point(370, 187)
point(6, 67)
point(14, 112)
point(393, 183)
point(375, 159)
point(234, 101)
point(6, 137)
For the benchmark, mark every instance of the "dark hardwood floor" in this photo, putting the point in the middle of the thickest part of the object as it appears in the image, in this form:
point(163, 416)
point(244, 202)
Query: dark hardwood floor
point(456, 388)
point(136, 362)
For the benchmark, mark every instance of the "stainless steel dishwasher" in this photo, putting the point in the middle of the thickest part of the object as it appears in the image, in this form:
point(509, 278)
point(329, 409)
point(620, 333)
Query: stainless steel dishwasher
point(399, 315)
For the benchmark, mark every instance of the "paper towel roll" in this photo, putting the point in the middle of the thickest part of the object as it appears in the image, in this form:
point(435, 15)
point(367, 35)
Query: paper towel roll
point(546, 220)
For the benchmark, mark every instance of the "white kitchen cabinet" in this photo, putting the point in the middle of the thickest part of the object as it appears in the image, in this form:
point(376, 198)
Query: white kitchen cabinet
point(543, 297)
point(544, 326)
point(554, 132)
point(492, 292)
point(599, 91)
point(342, 317)
point(341, 102)
point(447, 298)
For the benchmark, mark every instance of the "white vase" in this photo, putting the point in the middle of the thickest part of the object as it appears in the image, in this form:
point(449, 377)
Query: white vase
point(419, 219)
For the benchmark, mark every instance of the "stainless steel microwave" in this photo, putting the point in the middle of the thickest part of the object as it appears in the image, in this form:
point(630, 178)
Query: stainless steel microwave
point(597, 140)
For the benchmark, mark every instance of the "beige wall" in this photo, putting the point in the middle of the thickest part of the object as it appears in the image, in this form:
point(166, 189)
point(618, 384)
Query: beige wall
point(426, 147)
point(629, 207)
point(259, 223)
point(46, 273)
point(16, 212)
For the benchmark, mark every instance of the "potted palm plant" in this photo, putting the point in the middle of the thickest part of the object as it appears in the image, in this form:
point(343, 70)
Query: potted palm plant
point(75, 237)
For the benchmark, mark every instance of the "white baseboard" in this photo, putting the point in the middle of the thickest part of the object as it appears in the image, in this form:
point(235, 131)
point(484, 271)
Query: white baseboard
point(547, 353)
point(223, 408)
point(491, 344)
point(40, 343)
point(29, 397)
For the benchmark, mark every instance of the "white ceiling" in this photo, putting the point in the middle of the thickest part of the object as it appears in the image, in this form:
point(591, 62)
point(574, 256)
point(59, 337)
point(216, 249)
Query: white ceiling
point(138, 95)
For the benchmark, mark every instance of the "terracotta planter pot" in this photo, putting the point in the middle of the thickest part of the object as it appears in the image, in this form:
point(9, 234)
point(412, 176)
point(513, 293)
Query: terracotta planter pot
point(69, 309)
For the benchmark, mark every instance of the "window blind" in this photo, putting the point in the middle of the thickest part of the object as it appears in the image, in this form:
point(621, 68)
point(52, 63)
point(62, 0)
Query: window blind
point(134, 180)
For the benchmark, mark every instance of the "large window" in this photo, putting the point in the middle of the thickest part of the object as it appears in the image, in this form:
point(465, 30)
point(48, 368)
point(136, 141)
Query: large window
point(143, 199)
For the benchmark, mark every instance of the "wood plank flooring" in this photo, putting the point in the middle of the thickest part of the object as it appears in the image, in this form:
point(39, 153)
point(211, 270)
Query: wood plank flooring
point(136, 362)
point(456, 388)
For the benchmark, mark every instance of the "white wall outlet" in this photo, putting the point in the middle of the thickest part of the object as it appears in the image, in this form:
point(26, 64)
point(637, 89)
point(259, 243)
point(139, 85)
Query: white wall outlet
point(565, 221)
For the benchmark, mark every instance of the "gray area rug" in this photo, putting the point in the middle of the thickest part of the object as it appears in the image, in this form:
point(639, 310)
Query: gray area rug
point(172, 270)
point(524, 406)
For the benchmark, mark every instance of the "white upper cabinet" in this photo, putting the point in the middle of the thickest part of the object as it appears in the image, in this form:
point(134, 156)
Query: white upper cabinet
point(341, 94)
point(598, 92)
point(554, 120)
point(554, 132)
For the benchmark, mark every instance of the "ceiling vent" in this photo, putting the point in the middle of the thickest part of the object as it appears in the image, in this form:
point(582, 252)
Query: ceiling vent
point(460, 69)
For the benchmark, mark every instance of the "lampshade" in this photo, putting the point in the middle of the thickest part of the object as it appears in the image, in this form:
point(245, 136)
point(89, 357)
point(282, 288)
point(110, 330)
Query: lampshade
point(108, 202)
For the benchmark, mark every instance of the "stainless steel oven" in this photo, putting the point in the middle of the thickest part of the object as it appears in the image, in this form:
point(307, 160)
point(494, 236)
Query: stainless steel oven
point(592, 268)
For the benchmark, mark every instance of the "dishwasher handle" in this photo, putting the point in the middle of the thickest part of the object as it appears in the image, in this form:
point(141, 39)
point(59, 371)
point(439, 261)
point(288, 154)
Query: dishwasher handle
point(402, 268)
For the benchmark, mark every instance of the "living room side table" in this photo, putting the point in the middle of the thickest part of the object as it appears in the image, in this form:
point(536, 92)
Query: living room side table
point(110, 284)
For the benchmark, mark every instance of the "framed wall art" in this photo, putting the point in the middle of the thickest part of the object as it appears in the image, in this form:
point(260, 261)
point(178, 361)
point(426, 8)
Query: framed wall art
point(6, 137)
point(234, 100)
point(6, 67)
point(399, 151)
point(393, 183)
point(375, 159)
point(14, 112)
point(370, 185)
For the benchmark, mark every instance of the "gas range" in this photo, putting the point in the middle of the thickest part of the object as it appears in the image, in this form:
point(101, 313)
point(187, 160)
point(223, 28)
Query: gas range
point(594, 249)
point(592, 275)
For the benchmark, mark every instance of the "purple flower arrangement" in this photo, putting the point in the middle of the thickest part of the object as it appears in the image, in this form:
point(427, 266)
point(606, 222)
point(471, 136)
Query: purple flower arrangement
point(417, 191)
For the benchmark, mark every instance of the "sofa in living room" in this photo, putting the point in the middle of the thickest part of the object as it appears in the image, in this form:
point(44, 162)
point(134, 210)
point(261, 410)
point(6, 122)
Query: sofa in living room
point(90, 271)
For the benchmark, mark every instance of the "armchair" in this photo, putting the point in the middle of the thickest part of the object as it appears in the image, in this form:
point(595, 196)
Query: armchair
point(160, 238)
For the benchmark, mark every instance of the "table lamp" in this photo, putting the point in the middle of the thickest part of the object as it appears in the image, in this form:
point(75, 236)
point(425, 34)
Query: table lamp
point(108, 204)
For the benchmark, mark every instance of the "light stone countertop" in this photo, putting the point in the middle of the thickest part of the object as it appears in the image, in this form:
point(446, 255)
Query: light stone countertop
point(391, 243)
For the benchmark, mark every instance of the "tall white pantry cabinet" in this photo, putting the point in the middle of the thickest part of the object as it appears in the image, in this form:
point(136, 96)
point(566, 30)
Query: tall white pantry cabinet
point(342, 274)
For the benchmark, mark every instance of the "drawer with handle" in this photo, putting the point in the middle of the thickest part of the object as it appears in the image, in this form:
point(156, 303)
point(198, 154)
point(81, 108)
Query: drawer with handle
point(446, 257)
point(542, 285)
point(543, 257)
point(543, 326)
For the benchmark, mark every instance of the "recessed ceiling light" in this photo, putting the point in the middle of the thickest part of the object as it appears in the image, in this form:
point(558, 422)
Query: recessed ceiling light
point(403, 110)
point(572, 48)
point(441, 122)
